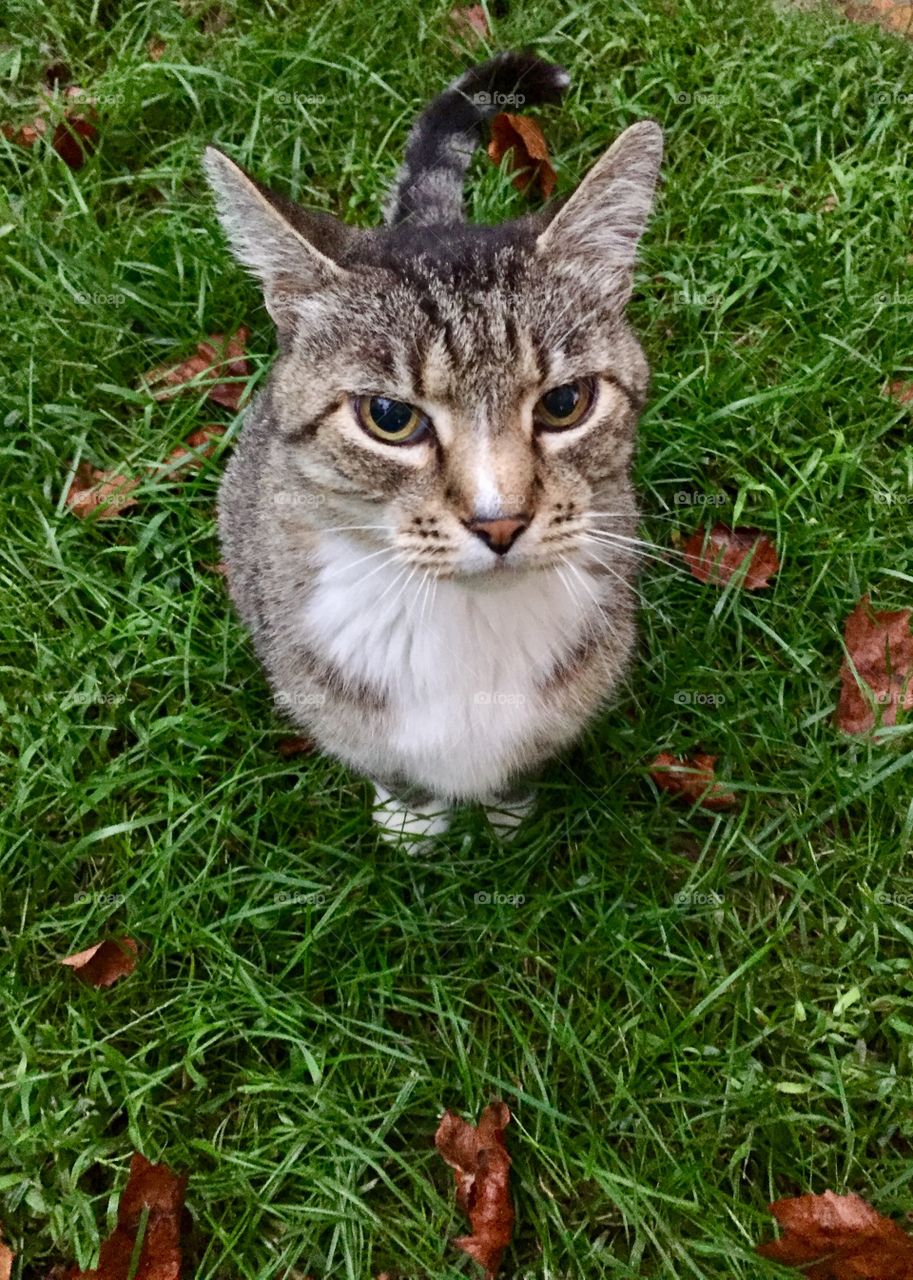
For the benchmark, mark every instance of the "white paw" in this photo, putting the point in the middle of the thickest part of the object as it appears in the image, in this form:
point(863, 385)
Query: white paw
point(506, 815)
point(415, 826)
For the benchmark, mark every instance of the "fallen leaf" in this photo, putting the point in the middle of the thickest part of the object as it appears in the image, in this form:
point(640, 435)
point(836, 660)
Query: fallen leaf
point(25, 135)
point(470, 22)
point(6, 1261)
point(481, 1169)
point(715, 556)
point(835, 1237)
point(155, 1188)
point(216, 354)
point(289, 747)
point(155, 50)
point(199, 445)
point(74, 139)
point(893, 15)
point(522, 137)
point(103, 964)
point(692, 779)
point(105, 493)
point(880, 646)
point(221, 567)
point(901, 392)
point(829, 203)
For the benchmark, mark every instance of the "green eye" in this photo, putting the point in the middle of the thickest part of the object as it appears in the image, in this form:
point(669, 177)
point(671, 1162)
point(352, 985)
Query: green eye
point(564, 406)
point(391, 420)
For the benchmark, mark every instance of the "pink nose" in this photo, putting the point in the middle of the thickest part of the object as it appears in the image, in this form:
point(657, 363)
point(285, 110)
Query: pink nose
point(500, 535)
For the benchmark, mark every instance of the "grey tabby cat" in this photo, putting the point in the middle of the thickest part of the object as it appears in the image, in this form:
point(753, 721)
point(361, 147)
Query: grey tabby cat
point(428, 524)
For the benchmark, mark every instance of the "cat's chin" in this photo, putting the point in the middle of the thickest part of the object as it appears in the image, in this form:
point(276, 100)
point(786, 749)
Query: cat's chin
point(495, 577)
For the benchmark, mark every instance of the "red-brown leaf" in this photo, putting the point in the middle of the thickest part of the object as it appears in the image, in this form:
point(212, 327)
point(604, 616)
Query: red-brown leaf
point(470, 22)
point(692, 779)
point(199, 445)
point(290, 747)
point(6, 1261)
point(529, 159)
point(880, 645)
point(74, 139)
point(216, 356)
point(156, 1188)
point(715, 557)
point(103, 964)
point(481, 1169)
point(893, 15)
point(901, 392)
point(835, 1237)
point(104, 494)
point(26, 135)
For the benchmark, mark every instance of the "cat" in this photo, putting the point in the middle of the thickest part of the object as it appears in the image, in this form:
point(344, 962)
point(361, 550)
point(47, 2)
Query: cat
point(428, 523)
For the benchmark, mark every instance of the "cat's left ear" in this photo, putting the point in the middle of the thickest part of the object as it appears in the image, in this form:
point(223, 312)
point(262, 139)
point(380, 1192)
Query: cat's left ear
point(598, 228)
point(291, 251)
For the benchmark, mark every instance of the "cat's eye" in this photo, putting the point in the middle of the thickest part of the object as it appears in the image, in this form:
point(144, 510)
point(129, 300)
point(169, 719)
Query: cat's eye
point(392, 421)
point(564, 406)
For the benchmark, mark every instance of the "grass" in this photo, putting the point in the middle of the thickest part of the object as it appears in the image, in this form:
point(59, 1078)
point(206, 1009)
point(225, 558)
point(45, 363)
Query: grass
point(689, 1014)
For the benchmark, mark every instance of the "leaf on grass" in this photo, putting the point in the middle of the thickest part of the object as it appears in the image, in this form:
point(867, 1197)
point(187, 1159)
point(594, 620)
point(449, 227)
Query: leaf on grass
point(880, 646)
point(470, 22)
point(198, 446)
point(155, 50)
point(103, 494)
point(529, 159)
point(155, 1188)
point(217, 356)
point(716, 556)
point(481, 1169)
point(25, 135)
point(74, 139)
point(893, 15)
point(901, 392)
point(835, 1237)
point(290, 747)
point(103, 964)
point(692, 779)
point(6, 1260)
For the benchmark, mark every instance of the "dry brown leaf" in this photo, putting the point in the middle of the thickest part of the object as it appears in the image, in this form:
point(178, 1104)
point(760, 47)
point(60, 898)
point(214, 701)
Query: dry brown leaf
point(522, 137)
point(199, 445)
point(481, 1169)
point(692, 779)
point(901, 392)
point(289, 747)
point(103, 964)
point(74, 139)
point(220, 567)
point(25, 135)
point(881, 648)
point(104, 494)
point(470, 22)
point(216, 355)
point(715, 556)
point(156, 1188)
point(893, 15)
point(155, 50)
point(6, 1261)
point(835, 1237)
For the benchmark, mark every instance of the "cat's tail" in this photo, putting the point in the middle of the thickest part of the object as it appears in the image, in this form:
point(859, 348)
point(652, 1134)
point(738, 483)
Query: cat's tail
point(429, 187)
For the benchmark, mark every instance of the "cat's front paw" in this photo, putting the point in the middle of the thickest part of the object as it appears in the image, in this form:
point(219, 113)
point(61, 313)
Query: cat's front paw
point(413, 826)
point(505, 815)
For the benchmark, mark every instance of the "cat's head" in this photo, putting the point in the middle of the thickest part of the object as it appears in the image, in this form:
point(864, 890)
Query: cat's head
point(465, 395)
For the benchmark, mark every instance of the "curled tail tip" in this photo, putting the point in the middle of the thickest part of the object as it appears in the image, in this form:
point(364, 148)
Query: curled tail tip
point(519, 74)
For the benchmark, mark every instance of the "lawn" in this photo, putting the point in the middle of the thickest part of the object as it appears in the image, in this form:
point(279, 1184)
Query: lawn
point(689, 1013)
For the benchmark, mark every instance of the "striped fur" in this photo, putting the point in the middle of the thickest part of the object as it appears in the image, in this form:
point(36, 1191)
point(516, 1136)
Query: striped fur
point(389, 631)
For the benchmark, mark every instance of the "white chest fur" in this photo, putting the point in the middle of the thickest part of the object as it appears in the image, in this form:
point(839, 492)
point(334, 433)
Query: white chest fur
point(459, 661)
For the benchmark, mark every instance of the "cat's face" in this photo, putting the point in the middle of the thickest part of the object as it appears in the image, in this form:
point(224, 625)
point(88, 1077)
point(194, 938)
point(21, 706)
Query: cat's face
point(476, 419)
point(463, 395)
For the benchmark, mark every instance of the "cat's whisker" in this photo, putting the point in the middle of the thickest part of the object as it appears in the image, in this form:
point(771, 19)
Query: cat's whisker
point(610, 626)
point(343, 568)
point(647, 604)
point(634, 548)
point(639, 542)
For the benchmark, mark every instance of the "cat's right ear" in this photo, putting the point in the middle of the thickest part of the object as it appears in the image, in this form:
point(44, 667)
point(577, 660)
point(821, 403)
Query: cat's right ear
point(267, 233)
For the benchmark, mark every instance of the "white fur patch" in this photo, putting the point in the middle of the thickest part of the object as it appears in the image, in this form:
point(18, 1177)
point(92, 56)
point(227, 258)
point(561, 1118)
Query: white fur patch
point(459, 660)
